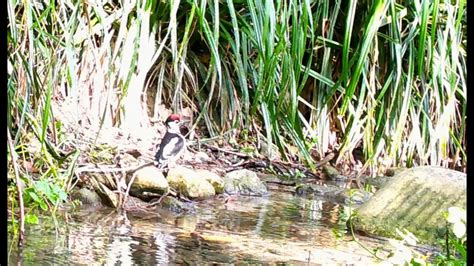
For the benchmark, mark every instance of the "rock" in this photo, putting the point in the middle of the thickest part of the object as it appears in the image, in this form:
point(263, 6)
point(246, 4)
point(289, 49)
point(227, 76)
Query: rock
point(305, 190)
point(104, 178)
point(327, 191)
point(333, 194)
point(358, 197)
point(378, 181)
point(414, 199)
point(87, 197)
point(244, 182)
point(393, 171)
point(108, 197)
point(271, 152)
point(189, 183)
point(174, 205)
point(339, 178)
point(148, 179)
point(201, 157)
point(331, 172)
point(126, 160)
point(214, 179)
point(33, 144)
point(186, 156)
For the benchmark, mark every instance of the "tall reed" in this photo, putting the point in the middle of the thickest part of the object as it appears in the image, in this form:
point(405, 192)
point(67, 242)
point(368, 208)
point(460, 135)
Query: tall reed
point(386, 77)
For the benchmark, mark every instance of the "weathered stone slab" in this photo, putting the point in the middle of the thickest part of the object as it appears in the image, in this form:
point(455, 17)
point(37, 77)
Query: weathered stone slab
point(414, 199)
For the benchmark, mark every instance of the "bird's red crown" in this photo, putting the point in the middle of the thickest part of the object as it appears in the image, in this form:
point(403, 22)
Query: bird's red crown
point(173, 117)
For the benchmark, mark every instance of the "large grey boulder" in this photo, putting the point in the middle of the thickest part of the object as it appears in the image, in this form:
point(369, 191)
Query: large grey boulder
point(244, 182)
point(414, 199)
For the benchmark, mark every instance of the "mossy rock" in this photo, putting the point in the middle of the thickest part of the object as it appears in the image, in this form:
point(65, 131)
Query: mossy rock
point(87, 197)
point(187, 182)
point(414, 199)
point(174, 205)
point(215, 180)
point(244, 182)
point(149, 179)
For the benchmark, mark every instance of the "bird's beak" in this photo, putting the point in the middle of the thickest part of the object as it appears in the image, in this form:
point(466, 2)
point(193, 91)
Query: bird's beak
point(183, 122)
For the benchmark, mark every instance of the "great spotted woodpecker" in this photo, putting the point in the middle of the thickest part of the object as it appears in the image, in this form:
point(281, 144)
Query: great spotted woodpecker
point(173, 143)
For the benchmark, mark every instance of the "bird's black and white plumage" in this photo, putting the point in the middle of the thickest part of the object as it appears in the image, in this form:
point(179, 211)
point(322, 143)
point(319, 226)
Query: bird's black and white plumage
point(173, 143)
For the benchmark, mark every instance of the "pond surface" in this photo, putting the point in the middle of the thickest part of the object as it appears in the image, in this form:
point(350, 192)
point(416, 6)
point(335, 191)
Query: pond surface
point(278, 228)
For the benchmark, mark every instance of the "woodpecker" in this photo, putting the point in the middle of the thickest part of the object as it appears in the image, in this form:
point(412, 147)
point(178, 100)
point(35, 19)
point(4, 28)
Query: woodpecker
point(172, 144)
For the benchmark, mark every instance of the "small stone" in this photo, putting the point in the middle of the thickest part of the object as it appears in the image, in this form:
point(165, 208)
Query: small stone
point(201, 157)
point(340, 178)
point(358, 197)
point(87, 197)
point(174, 205)
point(390, 172)
point(331, 172)
point(393, 171)
point(304, 190)
point(108, 197)
point(127, 160)
point(271, 151)
point(244, 182)
point(377, 182)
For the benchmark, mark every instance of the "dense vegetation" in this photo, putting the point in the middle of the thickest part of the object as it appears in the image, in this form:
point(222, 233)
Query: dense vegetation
point(385, 77)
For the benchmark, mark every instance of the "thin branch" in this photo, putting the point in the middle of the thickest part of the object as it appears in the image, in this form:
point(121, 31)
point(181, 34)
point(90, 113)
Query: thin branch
point(128, 187)
point(18, 187)
point(226, 151)
point(112, 169)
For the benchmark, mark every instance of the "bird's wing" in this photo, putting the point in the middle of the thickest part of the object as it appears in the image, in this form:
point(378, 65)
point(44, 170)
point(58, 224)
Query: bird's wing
point(172, 148)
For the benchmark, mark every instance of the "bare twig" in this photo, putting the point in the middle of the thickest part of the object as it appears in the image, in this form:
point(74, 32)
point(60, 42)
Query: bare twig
point(281, 182)
point(123, 171)
point(113, 169)
point(239, 163)
point(158, 202)
point(325, 160)
point(125, 198)
point(226, 151)
point(18, 187)
point(163, 196)
point(206, 140)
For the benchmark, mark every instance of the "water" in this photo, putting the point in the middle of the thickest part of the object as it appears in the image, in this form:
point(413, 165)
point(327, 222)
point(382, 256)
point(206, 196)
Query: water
point(279, 228)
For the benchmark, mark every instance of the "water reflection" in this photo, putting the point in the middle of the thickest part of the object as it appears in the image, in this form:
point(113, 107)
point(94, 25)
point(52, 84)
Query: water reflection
point(243, 230)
